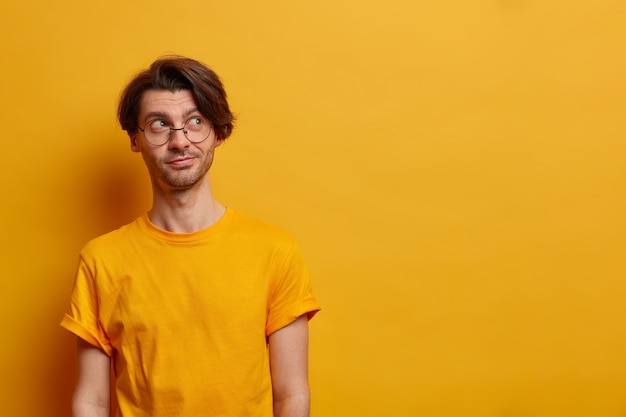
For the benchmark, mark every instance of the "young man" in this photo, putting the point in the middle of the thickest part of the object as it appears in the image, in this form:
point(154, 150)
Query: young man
point(202, 311)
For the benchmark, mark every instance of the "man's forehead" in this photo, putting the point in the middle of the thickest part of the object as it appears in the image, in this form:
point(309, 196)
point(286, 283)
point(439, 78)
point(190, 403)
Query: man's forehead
point(166, 102)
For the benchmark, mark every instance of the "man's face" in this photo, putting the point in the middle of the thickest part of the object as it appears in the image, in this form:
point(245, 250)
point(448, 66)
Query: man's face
point(178, 164)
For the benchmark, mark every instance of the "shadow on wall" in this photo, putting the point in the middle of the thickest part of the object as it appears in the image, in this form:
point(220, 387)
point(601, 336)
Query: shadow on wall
point(118, 190)
point(114, 188)
point(59, 373)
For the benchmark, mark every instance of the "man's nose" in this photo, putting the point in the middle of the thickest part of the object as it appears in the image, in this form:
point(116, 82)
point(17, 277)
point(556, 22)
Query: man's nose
point(178, 139)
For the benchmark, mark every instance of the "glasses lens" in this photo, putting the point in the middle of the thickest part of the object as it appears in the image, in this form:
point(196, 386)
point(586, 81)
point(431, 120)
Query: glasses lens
point(197, 129)
point(157, 132)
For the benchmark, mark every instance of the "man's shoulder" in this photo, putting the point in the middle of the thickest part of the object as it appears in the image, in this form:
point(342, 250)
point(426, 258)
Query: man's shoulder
point(114, 238)
point(244, 225)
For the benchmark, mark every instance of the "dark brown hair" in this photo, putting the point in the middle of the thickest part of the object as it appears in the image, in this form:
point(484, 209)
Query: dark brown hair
point(174, 73)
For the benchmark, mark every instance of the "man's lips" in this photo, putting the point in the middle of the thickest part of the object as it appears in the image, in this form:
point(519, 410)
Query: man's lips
point(181, 162)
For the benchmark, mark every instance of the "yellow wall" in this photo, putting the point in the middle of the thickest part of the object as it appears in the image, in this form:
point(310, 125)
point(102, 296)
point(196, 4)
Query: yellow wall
point(454, 171)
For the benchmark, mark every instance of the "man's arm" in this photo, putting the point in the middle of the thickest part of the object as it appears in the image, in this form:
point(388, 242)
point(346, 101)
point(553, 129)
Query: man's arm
point(92, 395)
point(289, 368)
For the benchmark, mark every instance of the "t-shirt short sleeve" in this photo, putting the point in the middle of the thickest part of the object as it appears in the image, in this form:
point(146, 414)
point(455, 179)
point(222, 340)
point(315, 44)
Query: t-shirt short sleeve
point(290, 291)
point(82, 316)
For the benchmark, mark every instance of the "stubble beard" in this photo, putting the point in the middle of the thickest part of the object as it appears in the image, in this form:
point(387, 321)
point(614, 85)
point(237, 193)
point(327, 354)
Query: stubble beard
point(179, 179)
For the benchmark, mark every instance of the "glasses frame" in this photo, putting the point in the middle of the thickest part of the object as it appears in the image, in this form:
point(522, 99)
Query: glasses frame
point(172, 129)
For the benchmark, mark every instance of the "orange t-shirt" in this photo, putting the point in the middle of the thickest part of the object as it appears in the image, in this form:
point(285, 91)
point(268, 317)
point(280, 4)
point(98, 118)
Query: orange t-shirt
point(185, 317)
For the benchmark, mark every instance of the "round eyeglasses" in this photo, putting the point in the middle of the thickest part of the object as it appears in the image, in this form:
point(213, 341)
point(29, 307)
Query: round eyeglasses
point(158, 131)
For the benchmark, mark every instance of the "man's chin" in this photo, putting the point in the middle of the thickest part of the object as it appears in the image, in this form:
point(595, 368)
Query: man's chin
point(182, 179)
point(180, 182)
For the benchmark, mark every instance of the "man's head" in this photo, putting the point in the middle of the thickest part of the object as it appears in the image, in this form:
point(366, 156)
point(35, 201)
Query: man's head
point(175, 73)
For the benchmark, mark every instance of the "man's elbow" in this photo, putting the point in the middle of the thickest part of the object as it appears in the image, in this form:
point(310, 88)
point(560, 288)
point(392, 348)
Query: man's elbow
point(293, 404)
point(81, 408)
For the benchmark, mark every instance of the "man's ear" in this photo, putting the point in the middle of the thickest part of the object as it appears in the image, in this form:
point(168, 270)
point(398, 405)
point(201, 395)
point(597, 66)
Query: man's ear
point(133, 142)
point(218, 141)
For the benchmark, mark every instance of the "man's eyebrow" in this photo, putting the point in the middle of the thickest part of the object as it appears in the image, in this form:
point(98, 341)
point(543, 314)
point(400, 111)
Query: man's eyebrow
point(157, 114)
point(163, 115)
point(191, 111)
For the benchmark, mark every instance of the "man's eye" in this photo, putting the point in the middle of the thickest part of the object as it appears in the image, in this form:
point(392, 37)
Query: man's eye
point(195, 124)
point(158, 125)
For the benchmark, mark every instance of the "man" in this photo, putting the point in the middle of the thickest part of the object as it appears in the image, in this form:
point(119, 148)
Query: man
point(201, 311)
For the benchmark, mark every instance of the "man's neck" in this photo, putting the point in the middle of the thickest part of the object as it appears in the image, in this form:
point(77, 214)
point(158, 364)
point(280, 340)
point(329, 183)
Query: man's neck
point(185, 211)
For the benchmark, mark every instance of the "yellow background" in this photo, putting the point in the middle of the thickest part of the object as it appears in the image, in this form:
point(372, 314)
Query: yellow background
point(454, 171)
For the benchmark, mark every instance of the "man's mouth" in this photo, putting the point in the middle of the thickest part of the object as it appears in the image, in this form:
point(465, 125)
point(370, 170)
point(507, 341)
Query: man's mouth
point(181, 161)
